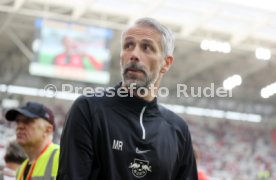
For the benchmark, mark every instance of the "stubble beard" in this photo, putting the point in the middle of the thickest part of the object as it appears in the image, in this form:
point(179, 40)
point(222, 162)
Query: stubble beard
point(134, 81)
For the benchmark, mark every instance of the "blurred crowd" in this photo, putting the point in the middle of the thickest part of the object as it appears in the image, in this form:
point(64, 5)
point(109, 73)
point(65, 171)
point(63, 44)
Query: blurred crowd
point(229, 150)
point(234, 150)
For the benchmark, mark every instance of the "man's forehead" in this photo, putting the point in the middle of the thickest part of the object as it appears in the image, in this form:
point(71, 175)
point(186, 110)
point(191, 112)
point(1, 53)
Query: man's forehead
point(145, 40)
point(144, 32)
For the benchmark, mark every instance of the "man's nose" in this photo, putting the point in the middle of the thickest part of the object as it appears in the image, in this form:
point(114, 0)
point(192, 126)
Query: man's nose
point(19, 124)
point(135, 54)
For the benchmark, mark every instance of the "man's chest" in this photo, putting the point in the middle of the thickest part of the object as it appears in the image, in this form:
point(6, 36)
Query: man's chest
point(128, 151)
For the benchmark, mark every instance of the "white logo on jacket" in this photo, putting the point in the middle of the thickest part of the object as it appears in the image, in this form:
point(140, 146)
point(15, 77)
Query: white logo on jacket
point(138, 151)
point(140, 168)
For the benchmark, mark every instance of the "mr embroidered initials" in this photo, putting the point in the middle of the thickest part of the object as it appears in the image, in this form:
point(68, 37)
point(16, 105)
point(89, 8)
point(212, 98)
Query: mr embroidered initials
point(117, 145)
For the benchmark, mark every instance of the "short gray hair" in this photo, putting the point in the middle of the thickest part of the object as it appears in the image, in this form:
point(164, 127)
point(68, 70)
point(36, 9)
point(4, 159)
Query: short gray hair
point(167, 41)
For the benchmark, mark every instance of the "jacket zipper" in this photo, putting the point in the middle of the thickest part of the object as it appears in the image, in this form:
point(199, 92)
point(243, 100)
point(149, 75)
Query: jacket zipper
point(141, 123)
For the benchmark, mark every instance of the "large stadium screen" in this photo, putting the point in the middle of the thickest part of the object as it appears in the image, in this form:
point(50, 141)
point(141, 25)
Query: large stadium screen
point(71, 51)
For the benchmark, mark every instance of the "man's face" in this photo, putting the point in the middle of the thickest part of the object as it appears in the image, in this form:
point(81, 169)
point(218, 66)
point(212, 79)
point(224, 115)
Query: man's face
point(141, 56)
point(30, 132)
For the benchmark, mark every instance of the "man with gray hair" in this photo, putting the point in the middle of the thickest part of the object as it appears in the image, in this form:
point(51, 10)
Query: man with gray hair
point(35, 125)
point(122, 133)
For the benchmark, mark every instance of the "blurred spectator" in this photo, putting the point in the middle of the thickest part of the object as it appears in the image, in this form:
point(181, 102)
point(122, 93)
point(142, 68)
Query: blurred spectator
point(14, 156)
point(34, 132)
point(201, 173)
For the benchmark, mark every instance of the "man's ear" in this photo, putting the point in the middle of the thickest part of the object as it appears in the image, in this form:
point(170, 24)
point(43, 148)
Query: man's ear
point(49, 128)
point(166, 66)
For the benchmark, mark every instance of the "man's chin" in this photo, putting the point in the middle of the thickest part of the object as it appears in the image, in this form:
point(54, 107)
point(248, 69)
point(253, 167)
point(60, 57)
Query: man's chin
point(134, 83)
point(21, 142)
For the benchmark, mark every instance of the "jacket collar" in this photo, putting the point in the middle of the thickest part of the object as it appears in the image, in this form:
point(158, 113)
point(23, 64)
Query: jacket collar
point(136, 103)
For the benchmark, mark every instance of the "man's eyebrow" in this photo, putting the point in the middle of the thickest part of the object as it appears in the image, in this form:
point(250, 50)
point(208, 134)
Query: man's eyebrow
point(147, 41)
point(143, 40)
point(128, 38)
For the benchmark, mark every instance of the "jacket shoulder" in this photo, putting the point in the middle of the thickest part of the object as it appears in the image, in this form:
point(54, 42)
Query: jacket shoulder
point(173, 119)
point(95, 99)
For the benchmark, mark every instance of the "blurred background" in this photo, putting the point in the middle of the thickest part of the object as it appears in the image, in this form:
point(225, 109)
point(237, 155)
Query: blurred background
point(219, 44)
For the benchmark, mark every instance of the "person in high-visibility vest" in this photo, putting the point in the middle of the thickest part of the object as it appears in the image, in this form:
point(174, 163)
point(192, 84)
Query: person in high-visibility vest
point(34, 132)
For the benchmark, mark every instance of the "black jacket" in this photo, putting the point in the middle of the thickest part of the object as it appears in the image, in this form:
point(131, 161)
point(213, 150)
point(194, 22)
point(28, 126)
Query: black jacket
point(124, 138)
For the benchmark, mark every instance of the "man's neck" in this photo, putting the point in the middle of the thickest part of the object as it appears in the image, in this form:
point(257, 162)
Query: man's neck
point(34, 151)
point(148, 96)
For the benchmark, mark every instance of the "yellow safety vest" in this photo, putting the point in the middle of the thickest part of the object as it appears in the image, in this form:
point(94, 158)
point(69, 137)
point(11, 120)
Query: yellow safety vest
point(45, 167)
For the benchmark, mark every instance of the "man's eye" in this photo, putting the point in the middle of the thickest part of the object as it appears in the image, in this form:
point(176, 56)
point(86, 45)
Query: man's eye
point(128, 45)
point(147, 47)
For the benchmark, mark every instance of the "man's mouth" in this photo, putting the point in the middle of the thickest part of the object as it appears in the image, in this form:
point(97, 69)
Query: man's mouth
point(20, 134)
point(134, 70)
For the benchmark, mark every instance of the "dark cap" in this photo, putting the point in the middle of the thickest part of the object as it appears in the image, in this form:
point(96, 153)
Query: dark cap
point(32, 110)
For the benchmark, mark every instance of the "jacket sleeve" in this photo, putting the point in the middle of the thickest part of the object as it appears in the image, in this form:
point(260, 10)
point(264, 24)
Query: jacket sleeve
point(76, 153)
point(188, 167)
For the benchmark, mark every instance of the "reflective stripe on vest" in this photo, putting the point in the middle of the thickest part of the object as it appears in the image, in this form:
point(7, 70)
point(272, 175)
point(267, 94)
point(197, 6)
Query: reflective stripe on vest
point(48, 171)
